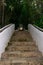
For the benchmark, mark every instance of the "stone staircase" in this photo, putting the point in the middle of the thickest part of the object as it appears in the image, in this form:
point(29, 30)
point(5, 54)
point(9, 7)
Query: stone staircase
point(21, 50)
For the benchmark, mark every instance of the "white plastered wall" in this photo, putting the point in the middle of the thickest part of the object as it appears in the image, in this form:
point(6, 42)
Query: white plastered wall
point(5, 36)
point(37, 35)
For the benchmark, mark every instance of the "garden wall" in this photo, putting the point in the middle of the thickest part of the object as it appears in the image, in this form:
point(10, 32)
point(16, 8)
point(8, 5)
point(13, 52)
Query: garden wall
point(37, 35)
point(5, 35)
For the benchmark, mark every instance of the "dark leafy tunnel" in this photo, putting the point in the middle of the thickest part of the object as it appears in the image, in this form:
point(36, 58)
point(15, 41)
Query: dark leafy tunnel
point(19, 12)
point(23, 12)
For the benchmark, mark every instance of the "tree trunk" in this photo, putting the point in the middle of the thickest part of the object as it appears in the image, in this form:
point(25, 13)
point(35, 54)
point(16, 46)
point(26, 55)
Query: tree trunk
point(3, 23)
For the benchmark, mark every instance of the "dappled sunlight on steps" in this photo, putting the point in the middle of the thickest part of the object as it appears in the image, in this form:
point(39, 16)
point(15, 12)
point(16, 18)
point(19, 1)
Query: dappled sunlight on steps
point(21, 50)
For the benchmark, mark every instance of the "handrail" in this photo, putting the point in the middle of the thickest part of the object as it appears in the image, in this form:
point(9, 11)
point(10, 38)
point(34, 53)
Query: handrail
point(2, 29)
point(38, 28)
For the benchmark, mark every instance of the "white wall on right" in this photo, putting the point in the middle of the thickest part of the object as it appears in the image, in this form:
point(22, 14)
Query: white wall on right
point(37, 36)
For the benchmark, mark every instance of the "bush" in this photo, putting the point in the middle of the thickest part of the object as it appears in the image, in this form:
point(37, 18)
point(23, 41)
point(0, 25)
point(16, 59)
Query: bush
point(39, 23)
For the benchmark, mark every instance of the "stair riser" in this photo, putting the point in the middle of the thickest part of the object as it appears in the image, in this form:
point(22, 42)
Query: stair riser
point(19, 63)
point(21, 40)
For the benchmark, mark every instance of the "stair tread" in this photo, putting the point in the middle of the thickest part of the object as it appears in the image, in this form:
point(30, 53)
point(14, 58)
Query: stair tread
point(13, 46)
point(21, 54)
point(21, 62)
point(24, 59)
point(21, 48)
point(22, 43)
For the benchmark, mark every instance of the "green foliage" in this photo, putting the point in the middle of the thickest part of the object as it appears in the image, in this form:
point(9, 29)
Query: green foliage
point(39, 22)
point(24, 12)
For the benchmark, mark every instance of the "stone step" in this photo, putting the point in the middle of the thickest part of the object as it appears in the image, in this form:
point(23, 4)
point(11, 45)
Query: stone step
point(23, 61)
point(18, 54)
point(21, 48)
point(21, 43)
point(21, 40)
point(30, 63)
point(21, 36)
point(29, 46)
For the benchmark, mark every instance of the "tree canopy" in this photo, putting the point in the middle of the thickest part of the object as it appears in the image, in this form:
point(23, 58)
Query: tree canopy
point(23, 11)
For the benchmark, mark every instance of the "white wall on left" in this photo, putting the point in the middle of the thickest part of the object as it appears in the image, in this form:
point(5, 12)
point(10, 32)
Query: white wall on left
point(5, 36)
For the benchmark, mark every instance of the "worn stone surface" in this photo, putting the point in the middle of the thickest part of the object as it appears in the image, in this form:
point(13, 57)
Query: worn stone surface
point(10, 55)
point(21, 43)
point(21, 50)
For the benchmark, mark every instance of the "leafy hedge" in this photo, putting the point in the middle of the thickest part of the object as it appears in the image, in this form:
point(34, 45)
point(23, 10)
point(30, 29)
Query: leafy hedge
point(39, 23)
